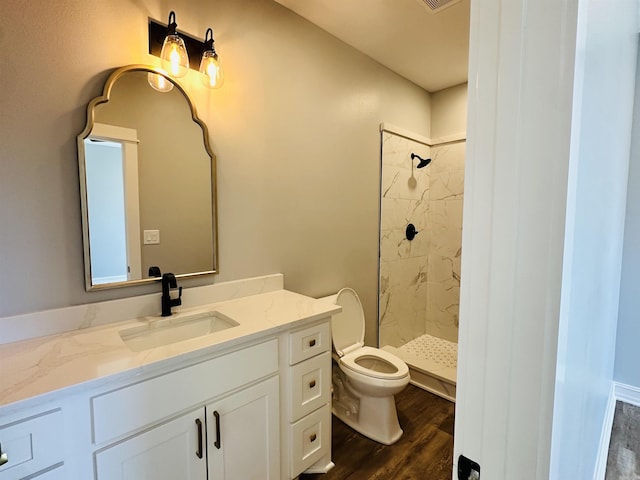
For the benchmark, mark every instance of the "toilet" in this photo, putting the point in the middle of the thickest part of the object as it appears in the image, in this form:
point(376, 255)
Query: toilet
point(364, 379)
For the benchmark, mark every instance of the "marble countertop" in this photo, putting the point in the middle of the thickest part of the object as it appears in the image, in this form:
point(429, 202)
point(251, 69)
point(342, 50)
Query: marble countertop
point(87, 358)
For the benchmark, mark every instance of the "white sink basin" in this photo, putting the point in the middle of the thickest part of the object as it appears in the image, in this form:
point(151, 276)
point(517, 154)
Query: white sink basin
point(175, 329)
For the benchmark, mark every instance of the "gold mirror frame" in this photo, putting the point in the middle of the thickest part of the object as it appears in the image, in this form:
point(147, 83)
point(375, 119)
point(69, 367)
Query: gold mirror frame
point(90, 122)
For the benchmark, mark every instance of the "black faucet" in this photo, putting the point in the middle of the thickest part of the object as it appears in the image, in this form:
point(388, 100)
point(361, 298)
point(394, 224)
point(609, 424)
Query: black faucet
point(169, 282)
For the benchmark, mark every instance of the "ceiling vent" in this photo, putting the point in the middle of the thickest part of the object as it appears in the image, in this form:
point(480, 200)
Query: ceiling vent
point(436, 6)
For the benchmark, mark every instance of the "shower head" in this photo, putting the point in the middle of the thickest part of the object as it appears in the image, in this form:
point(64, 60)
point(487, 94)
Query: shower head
point(423, 162)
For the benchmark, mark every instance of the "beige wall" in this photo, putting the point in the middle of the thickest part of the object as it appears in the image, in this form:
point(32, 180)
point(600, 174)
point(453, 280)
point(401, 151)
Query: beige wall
point(449, 111)
point(294, 129)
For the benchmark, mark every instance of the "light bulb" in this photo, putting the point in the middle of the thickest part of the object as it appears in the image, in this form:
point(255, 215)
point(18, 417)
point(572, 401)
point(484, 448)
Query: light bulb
point(210, 70)
point(175, 59)
point(159, 82)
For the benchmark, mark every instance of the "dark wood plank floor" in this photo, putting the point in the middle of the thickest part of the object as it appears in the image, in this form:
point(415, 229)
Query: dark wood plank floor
point(424, 452)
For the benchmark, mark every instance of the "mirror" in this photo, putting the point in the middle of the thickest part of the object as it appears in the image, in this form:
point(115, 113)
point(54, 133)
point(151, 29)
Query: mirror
point(147, 183)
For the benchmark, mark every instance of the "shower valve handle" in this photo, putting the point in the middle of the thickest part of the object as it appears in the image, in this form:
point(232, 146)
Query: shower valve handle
point(411, 231)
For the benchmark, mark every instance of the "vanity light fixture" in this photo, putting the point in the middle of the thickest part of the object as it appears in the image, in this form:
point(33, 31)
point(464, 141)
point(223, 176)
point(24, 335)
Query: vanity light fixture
point(198, 55)
point(174, 56)
point(210, 69)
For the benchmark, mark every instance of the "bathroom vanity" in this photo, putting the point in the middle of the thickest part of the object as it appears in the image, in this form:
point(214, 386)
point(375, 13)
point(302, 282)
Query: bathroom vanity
point(244, 393)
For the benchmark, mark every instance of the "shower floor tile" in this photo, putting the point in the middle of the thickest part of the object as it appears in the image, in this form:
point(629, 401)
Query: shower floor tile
point(437, 349)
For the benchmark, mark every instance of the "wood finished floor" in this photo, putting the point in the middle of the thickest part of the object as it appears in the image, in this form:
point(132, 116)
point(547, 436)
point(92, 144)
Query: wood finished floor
point(424, 452)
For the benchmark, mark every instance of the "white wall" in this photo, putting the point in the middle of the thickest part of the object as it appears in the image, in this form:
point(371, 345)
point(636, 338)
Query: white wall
point(627, 352)
point(605, 71)
point(295, 130)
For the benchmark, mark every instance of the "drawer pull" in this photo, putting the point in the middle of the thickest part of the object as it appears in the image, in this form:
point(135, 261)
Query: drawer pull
point(312, 343)
point(199, 451)
point(4, 458)
point(217, 417)
point(312, 437)
point(312, 383)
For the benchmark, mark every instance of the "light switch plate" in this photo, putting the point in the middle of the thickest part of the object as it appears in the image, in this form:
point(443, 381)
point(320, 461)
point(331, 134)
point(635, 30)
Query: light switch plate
point(151, 237)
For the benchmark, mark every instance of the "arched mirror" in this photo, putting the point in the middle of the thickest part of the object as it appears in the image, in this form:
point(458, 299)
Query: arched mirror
point(147, 182)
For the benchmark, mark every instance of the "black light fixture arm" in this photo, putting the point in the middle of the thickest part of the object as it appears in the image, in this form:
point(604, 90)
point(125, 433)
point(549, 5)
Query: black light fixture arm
point(171, 24)
point(208, 41)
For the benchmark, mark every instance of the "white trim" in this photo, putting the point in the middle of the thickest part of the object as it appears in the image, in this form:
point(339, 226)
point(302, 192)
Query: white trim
point(627, 393)
point(605, 436)
point(619, 392)
point(429, 142)
point(104, 131)
point(456, 137)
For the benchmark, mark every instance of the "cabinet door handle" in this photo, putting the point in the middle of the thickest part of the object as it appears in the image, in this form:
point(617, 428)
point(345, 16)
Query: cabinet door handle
point(4, 458)
point(312, 343)
point(217, 417)
point(312, 383)
point(199, 451)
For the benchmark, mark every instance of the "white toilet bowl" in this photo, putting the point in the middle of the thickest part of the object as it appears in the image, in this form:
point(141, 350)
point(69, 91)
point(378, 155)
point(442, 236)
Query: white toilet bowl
point(365, 379)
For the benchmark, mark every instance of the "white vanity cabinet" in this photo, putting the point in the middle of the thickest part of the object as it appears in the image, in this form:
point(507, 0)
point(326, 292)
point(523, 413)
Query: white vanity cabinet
point(218, 438)
point(30, 445)
point(307, 387)
point(243, 440)
point(240, 422)
point(166, 452)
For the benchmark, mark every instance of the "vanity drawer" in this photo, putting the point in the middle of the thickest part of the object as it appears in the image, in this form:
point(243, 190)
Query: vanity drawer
point(31, 445)
point(133, 407)
point(310, 439)
point(309, 342)
point(310, 385)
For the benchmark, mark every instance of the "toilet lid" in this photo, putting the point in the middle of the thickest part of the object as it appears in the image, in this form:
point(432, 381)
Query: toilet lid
point(376, 363)
point(347, 327)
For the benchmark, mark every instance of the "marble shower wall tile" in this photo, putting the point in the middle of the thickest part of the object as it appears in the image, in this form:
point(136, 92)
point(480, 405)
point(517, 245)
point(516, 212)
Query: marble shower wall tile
point(402, 314)
point(396, 150)
point(448, 158)
point(407, 183)
point(420, 280)
point(442, 310)
point(446, 193)
point(403, 263)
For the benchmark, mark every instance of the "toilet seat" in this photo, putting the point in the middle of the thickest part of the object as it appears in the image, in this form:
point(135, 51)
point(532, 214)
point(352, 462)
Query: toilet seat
point(347, 326)
point(357, 361)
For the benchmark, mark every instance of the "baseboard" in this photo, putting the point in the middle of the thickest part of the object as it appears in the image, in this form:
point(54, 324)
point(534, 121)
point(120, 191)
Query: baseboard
point(619, 392)
point(627, 393)
point(605, 435)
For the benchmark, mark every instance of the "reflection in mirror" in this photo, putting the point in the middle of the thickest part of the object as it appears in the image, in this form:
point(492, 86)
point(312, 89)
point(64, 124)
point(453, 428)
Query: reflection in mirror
point(147, 180)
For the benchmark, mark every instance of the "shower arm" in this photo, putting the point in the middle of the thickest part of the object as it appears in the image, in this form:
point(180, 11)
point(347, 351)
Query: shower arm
point(423, 161)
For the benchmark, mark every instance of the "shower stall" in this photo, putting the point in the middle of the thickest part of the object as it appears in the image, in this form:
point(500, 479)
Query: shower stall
point(420, 249)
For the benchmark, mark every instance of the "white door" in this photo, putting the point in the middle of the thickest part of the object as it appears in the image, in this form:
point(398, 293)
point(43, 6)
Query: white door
point(172, 451)
point(243, 440)
point(124, 194)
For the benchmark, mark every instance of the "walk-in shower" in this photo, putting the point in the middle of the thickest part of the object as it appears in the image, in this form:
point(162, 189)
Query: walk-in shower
point(420, 249)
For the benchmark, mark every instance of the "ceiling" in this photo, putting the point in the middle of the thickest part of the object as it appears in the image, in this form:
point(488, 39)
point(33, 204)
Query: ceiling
point(430, 48)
